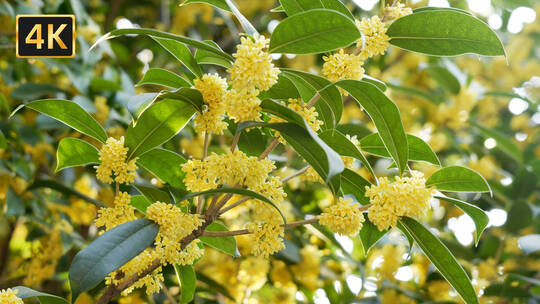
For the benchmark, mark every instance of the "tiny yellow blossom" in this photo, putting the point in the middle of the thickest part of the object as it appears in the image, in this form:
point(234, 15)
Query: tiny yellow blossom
point(266, 238)
point(212, 88)
point(9, 296)
point(211, 121)
point(343, 218)
point(253, 67)
point(374, 40)
point(341, 66)
point(113, 160)
point(391, 296)
point(102, 108)
point(121, 212)
point(243, 105)
point(406, 196)
point(174, 224)
point(44, 260)
point(307, 271)
point(397, 11)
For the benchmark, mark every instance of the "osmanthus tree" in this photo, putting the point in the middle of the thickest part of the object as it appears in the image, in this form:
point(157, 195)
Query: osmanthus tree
point(262, 107)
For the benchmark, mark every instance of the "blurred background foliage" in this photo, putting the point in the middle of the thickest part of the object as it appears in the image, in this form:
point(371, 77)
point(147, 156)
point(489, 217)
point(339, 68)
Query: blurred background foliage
point(480, 112)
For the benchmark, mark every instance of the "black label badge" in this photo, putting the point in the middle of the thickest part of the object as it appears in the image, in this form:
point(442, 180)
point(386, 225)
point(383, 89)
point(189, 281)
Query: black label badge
point(45, 36)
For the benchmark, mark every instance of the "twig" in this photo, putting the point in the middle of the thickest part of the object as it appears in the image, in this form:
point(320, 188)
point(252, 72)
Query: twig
point(295, 174)
point(269, 149)
point(313, 100)
point(200, 199)
point(245, 231)
point(167, 293)
point(235, 140)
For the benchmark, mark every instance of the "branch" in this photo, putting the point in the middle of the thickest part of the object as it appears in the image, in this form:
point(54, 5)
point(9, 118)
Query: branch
point(269, 149)
point(245, 231)
point(295, 174)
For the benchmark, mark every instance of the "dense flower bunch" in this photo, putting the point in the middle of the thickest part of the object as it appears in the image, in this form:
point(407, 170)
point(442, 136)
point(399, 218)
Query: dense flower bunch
point(213, 89)
point(339, 66)
point(266, 238)
point(113, 161)
point(343, 217)
point(406, 196)
point(121, 212)
point(9, 296)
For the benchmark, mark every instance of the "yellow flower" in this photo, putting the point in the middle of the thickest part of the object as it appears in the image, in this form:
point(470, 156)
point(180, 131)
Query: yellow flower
point(266, 238)
point(113, 161)
point(406, 196)
point(44, 260)
point(121, 212)
point(397, 11)
point(212, 88)
point(253, 67)
point(307, 271)
point(211, 121)
point(9, 296)
point(439, 290)
point(343, 218)
point(102, 108)
point(243, 105)
point(342, 66)
point(374, 40)
point(390, 296)
point(173, 223)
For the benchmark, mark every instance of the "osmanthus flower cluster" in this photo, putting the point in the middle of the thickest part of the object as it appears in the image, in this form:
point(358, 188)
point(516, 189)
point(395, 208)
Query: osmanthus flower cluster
point(114, 166)
point(9, 296)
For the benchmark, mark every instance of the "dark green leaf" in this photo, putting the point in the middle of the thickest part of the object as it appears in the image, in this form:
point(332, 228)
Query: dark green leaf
point(385, 115)
point(189, 95)
point(3, 142)
point(30, 90)
point(51, 184)
point(458, 179)
point(478, 215)
point(504, 143)
point(313, 31)
point(374, 81)
point(419, 150)
point(181, 52)
point(445, 78)
point(163, 77)
point(138, 103)
point(226, 244)
point(156, 125)
point(444, 33)
point(154, 194)
point(283, 89)
point(519, 216)
point(44, 298)
point(75, 152)
point(108, 252)
point(292, 7)
point(188, 280)
point(353, 183)
point(206, 57)
point(441, 257)
point(71, 114)
point(217, 3)
point(370, 235)
point(165, 165)
point(15, 206)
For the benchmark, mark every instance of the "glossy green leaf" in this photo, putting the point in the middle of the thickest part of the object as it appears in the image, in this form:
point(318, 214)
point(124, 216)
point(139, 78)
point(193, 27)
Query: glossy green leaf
point(160, 34)
point(75, 152)
point(188, 280)
point(313, 31)
point(154, 194)
point(370, 235)
point(441, 257)
point(353, 183)
point(504, 143)
point(51, 184)
point(156, 125)
point(71, 114)
point(478, 216)
point(246, 25)
point(444, 78)
point(283, 89)
point(342, 145)
point(374, 81)
point(206, 57)
point(436, 8)
point(329, 106)
point(189, 95)
point(217, 3)
point(181, 52)
point(44, 298)
point(138, 103)
point(458, 179)
point(164, 78)
point(226, 244)
point(292, 7)
point(108, 252)
point(140, 202)
point(241, 191)
point(444, 33)
point(385, 115)
point(419, 150)
point(165, 165)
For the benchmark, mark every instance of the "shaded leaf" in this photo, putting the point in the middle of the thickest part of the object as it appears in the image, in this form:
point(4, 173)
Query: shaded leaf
point(419, 150)
point(165, 165)
point(353, 183)
point(226, 244)
point(181, 52)
point(154, 194)
point(44, 298)
point(504, 143)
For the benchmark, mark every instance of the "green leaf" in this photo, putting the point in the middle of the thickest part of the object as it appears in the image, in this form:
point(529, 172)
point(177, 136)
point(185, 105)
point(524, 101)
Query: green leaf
point(154, 194)
point(217, 3)
point(31, 90)
point(136, 104)
point(164, 78)
point(436, 8)
point(353, 183)
point(478, 216)
point(278, 9)
point(329, 106)
point(444, 33)
point(181, 52)
point(244, 192)
point(71, 114)
point(15, 206)
point(3, 142)
point(385, 115)
point(246, 25)
point(165, 165)
point(419, 150)
point(344, 147)
point(101, 84)
point(458, 179)
point(206, 57)
point(51, 184)
point(140, 202)
point(75, 152)
point(44, 298)
point(156, 125)
point(504, 143)
point(445, 78)
point(519, 216)
point(189, 95)
point(226, 244)
point(159, 34)
point(374, 81)
point(188, 280)
point(354, 129)
point(108, 252)
point(283, 89)
point(292, 7)
point(370, 235)
point(441, 257)
point(313, 31)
